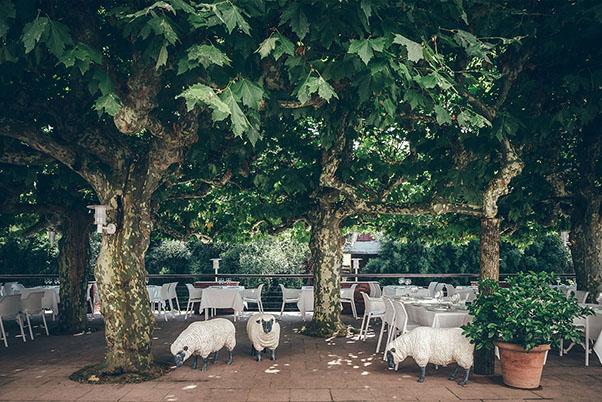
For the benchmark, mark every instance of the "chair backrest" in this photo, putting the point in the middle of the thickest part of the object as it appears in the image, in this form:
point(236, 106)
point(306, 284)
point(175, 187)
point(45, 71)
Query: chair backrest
point(580, 295)
point(439, 288)
point(194, 293)
point(348, 293)
point(389, 311)
point(12, 288)
point(165, 291)
point(32, 303)
point(172, 290)
point(289, 293)
point(372, 304)
point(450, 289)
point(375, 290)
point(401, 316)
point(10, 306)
point(432, 287)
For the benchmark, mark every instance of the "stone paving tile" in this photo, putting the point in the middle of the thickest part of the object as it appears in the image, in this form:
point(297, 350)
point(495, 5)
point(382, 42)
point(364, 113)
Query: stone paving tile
point(103, 392)
point(310, 394)
point(267, 394)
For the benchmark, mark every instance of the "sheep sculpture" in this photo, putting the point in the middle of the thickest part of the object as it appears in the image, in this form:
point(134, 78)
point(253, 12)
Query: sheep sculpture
point(264, 333)
point(204, 338)
point(439, 346)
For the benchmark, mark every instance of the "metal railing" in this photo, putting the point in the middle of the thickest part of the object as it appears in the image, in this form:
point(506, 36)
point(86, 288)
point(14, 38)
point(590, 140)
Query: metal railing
point(272, 296)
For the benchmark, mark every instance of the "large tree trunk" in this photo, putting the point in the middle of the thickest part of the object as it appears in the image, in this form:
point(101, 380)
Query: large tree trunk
point(490, 269)
point(586, 243)
point(327, 258)
point(121, 278)
point(74, 256)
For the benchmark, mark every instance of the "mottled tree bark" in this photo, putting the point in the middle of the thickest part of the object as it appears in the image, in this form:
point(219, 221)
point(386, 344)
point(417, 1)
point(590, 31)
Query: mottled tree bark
point(586, 243)
point(327, 258)
point(74, 256)
point(121, 278)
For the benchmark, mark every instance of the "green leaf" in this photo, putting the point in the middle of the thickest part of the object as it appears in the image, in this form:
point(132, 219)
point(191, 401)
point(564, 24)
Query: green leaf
point(428, 81)
point(229, 14)
point(58, 38)
point(296, 18)
point(33, 31)
point(414, 49)
point(108, 103)
point(362, 48)
point(7, 12)
point(442, 115)
point(266, 47)
point(207, 55)
point(250, 93)
point(162, 57)
point(314, 85)
point(202, 94)
point(284, 46)
point(239, 122)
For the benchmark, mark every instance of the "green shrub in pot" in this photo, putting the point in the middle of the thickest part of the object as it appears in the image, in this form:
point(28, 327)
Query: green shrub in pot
point(528, 313)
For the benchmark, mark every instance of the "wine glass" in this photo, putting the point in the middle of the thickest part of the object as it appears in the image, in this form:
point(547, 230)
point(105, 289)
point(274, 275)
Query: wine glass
point(401, 281)
point(408, 281)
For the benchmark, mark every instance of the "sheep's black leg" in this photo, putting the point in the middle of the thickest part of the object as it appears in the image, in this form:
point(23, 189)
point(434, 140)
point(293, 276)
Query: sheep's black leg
point(273, 354)
point(194, 362)
point(252, 350)
point(205, 363)
point(215, 357)
point(452, 375)
point(258, 355)
point(422, 374)
point(229, 358)
point(465, 379)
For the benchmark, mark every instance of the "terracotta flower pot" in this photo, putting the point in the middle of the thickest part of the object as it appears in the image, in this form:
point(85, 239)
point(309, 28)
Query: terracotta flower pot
point(522, 368)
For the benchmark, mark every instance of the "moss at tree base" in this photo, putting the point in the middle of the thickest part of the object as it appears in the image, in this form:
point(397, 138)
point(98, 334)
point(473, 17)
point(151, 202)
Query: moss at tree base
point(98, 374)
point(318, 330)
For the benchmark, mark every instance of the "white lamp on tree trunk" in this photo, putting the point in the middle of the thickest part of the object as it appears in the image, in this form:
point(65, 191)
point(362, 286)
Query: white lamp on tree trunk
point(100, 219)
point(356, 266)
point(215, 262)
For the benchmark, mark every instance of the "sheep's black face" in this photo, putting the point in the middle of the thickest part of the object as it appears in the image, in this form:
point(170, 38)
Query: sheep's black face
point(180, 357)
point(390, 361)
point(267, 325)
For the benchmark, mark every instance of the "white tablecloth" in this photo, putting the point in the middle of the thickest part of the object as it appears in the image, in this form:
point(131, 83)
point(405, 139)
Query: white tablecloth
point(420, 313)
point(222, 297)
point(306, 300)
point(399, 290)
point(51, 297)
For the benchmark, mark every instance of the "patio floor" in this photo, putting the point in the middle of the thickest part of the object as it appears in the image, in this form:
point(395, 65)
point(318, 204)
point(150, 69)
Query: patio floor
point(307, 369)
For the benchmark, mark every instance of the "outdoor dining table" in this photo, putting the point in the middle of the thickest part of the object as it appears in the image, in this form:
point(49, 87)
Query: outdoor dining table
point(432, 313)
point(401, 290)
point(222, 297)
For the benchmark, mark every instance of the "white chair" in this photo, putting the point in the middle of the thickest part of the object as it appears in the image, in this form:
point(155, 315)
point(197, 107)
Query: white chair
point(171, 295)
point(450, 290)
point(32, 305)
point(348, 296)
point(194, 296)
point(91, 300)
point(580, 295)
point(431, 288)
point(288, 296)
point(373, 308)
point(440, 288)
point(12, 288)
point(375, 290)
point(402, 321)
point(10, 309)
point(253, 296)
point(157, 295)
point(387, 321)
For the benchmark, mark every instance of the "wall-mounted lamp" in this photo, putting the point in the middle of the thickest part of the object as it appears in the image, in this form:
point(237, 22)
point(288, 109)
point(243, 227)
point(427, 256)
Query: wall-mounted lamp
point(100, 219)
point(215, 262)
point(356, 266)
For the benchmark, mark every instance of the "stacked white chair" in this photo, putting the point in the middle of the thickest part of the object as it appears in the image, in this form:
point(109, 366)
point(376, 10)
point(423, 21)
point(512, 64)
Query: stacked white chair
point(194, 296)
point(288, 296)
point(32, 305)
point(348, 296)
point(388, 322)
point(375, 290)
point(373, 308)
point(10, 309)
point(253, 296)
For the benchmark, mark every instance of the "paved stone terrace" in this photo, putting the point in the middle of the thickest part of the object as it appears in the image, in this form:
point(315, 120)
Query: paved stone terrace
point(307, 369)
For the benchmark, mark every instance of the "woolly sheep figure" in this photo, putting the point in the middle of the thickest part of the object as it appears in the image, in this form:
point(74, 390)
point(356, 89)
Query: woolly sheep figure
point(264, 333)
point(203, 338)
point(440, 346)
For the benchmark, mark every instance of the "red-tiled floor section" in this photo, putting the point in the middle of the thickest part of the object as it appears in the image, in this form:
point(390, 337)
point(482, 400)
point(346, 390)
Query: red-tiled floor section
point(307, 369)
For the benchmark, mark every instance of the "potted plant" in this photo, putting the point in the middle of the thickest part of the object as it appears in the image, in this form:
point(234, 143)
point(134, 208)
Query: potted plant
point(523, 320)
